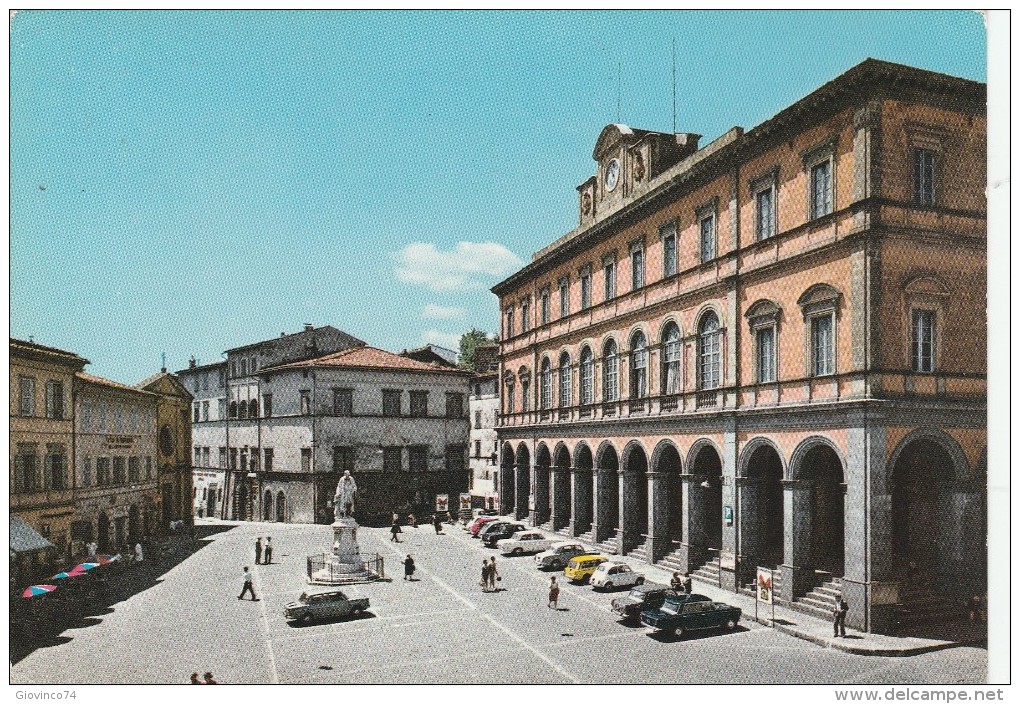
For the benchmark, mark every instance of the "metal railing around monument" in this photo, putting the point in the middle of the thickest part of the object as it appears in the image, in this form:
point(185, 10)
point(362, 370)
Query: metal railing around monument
point(372, 562)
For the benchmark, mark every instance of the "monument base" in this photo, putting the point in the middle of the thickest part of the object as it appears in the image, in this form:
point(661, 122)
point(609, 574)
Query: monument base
point(344, 565)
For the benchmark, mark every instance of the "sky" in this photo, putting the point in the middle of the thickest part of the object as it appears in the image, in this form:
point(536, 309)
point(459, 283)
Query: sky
point(186, 182)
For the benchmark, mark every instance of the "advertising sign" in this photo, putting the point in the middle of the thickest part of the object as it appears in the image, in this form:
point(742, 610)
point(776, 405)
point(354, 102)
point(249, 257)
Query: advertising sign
point(763, 585)
point(465, 502)
point(442, 502)
point(727, 513)
point(727, 561)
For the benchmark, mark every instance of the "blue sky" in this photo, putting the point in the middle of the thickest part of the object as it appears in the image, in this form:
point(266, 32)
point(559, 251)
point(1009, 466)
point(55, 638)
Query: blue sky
point(186, 182)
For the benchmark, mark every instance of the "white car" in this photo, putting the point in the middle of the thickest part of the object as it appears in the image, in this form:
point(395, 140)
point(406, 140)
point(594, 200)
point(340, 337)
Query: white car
point(559, 554)
point(530, 541)
point(615, 575)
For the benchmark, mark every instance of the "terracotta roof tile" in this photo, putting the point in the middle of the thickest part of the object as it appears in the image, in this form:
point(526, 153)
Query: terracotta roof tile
point(369, 358)
point(112, 384)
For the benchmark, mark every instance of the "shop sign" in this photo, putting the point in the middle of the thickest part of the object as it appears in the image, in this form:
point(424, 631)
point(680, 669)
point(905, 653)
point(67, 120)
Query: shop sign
point(120, 442)
point(465, 501)
point(442, 502)
point(763, 585)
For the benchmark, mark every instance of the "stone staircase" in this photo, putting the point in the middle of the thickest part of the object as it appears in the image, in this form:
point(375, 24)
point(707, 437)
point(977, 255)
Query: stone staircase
point(708, 572)
point(587, 537)
point(748, 589)
point(821, 600)
point(609, 546)
point(640, 552)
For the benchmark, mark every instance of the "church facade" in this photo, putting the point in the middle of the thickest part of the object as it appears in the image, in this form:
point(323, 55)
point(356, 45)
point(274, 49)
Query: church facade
point(769, 351)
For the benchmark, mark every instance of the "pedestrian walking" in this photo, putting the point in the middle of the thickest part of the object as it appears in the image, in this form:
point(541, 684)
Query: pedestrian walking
point(267, 554)
point(258, 550)
point(248, 586)
point(493, 576)
point(139, 555)
point(92, 548)
point(209, 679)
point(554, 594)
point(484, 583)
point(438, 523)
point(394, 529)
point(688, 583)
point(408, 569)
point(839, 619)
point(194, 678)
point(412, 521)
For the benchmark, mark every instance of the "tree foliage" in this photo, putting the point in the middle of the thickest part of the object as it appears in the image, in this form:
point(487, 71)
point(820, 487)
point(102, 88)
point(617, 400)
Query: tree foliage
point(468, 342)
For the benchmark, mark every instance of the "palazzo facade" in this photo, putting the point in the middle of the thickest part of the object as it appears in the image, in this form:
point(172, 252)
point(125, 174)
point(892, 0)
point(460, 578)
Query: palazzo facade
point(769, 351)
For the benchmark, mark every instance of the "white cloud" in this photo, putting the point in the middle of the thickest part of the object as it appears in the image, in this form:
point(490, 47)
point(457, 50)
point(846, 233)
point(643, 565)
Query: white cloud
point(437, 312)
point(463, 267)
point(450, 341)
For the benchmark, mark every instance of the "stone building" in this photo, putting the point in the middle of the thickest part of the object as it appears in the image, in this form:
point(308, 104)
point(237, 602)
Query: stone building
point(173, 422)
point(483, 411)
point(769, 351)
point(42, 440)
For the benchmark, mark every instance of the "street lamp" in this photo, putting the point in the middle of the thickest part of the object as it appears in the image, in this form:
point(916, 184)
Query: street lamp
point(252, 476)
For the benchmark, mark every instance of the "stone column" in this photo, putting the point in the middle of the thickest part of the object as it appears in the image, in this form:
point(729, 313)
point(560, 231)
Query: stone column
point(798, 574)
point(622, 531)
point(691, 550)
point(600, 521)
point(869, 585)
point(658, 516)
point(558, 475)
point(747, 520)
point(730, 579)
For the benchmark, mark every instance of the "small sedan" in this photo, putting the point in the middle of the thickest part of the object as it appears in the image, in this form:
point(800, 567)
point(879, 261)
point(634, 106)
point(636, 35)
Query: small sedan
point(502, 532)
point(581, 568)
point(476, 525)
point(324, 605)
point(645, 597)
point(615, 575)
point(529, 541)
point(558, 555)
point(487, 528)
point(683, 616)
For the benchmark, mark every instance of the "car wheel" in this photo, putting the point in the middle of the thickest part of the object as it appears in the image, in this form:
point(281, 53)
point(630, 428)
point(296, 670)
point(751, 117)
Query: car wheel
point(517, 551)
point(608, 586)
point(640, 581)
point(679, 632)
point(356, 611)
point(730, 624)
point(306, 619)
point(556, 565)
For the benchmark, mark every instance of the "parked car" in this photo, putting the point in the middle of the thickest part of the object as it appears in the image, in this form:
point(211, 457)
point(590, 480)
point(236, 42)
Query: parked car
point(528, 541)
point(646, 597)
point(476, 525)
point(324, 605)
point(559, 554)
point(502, 532)
point(581, 568)
point(684, 615)
point(491, 526)
point(476, 512)
point(614, 575)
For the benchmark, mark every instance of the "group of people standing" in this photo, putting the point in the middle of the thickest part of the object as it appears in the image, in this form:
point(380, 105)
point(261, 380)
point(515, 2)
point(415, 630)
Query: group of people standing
point(264, 552)
point(490, 575)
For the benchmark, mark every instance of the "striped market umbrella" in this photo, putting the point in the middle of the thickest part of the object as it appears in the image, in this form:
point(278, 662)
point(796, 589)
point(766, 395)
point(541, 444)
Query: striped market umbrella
point(89, 565)
point(36, 590)
point(106, 559)
point(76, 571)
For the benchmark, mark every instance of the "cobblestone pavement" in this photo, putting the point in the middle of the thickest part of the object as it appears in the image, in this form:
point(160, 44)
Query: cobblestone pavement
point(440, 628)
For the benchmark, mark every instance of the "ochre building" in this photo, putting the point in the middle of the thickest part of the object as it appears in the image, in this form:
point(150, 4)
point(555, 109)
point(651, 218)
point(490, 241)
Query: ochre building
point(769, 351)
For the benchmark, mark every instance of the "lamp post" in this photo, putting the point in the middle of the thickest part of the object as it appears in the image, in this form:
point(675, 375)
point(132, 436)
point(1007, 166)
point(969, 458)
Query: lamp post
point(252, 476)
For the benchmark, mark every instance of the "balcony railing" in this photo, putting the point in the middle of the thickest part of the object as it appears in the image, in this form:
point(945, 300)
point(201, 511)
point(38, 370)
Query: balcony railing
point(707, 399)
point(669, 403)
point(637, 406)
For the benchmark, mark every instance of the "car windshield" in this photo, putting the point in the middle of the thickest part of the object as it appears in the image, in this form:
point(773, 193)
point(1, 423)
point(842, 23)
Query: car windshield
point(670, 608)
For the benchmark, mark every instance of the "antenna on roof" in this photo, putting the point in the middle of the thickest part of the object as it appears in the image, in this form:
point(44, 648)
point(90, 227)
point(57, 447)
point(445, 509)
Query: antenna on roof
point(619, 88)
point(162, 358)
point(674, 85)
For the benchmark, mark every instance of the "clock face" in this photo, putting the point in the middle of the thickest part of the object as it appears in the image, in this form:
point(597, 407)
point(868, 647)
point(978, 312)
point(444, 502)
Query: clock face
point(612, 174)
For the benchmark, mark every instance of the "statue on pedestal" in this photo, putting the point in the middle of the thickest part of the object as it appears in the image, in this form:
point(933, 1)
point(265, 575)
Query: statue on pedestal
point(343, 499)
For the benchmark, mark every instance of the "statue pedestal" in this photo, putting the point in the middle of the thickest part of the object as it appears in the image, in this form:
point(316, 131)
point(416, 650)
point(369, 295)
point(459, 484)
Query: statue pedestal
point(345, 564)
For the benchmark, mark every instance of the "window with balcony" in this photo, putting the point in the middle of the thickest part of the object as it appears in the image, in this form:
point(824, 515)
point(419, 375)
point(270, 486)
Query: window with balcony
point(565, 391)
point(671, 360)
point(708, 352)
point(587, 377)
point(638, 366)
point(419, 404)
point(610, 372)
point(545, 394)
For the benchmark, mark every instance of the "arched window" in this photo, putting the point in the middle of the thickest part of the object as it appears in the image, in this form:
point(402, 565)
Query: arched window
point(566, 393)
point(610, 372)
point(253, 409)
point(638, 366)
point(242, 409)
point(708, 352)
point(233, 409)
point(525, 377)
point(545, 394)
point(587, 377)
point(281, 507)
point(671, 360)
point(508, 382)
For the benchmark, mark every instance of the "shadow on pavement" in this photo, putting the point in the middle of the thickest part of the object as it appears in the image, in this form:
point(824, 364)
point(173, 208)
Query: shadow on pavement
point(82, 601)
point(363, 616)
point(669, 637)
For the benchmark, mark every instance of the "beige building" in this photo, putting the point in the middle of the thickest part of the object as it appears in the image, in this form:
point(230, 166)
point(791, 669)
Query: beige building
point(42, 438)
point(173, 442)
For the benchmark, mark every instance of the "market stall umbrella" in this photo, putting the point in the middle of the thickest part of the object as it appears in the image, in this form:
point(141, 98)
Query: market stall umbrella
point(106, 559)
point(37, 589)
point(76, 571)
point(89, 565)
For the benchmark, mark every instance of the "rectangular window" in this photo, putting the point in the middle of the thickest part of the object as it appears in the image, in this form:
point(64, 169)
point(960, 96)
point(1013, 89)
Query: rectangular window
point(306, 403)
point(509, 396)
point(267, 405)
point(478, 419)
point(525, 395)
point(223, 458)
point(764, 215)
point(205, 456)
point(821, 346)
point(233, 459)
point(26, 395)
point(119, 470)
point(306, 459)
point(765, 355)
point(102, 471)
point(343, 402)
point(419, 404)
point(924, 176)
point(478, 390)
point(922, 345)
point(707, 229)
point(821, 189)
point(222, 377)
point(586, 288)
point(609, 279)
point(455, 458)
point(418, 458)
point(205, 410)
point(544, 306)
point(669, 264)
point(478, 449)
point(195, 411)
point(343, 459)
point(55, 467)
point(525, 312)
point(637, 267)
point(86, 471)
point(391, 402)
point(454, 405)
point(221, 408)
point(392, 459)
point(267, 459)
point(135, 469)
point(564, 297)
point(54, 399)
point(509, 321)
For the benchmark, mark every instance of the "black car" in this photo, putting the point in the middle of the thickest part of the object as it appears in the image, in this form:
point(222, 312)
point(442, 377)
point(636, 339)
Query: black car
point(502, 532)
point(648, 596)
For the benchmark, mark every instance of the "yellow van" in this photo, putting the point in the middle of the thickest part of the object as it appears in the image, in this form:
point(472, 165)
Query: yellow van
point(581, 568)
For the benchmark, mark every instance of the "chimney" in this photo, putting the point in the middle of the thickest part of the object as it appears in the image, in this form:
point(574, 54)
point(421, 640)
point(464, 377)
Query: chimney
point(308, 327)
point(191, 363)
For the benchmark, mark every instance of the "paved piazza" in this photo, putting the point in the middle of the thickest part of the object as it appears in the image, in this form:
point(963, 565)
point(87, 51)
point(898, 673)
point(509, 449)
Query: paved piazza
point(439, 629)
